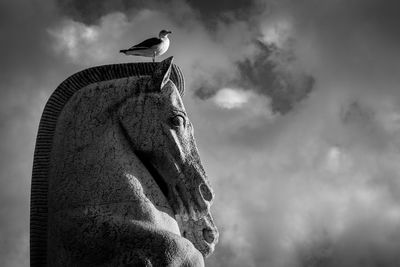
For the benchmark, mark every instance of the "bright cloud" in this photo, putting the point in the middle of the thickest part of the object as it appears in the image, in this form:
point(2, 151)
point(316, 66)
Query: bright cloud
point(85, 44)
point(277, 31)
point(230, 98)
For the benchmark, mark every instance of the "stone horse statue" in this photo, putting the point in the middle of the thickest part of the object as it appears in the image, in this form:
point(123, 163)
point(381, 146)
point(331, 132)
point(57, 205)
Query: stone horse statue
point(117, 179)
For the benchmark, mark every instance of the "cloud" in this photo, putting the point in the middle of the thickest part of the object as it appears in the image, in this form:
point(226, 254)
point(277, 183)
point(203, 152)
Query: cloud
point(89, 44)
point(233, 98)
point(228, 98)
point(314, 182)
point(269, 67)
point(274, 73)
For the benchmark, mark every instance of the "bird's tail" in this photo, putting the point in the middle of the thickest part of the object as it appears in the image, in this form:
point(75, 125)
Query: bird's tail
point(123, 51)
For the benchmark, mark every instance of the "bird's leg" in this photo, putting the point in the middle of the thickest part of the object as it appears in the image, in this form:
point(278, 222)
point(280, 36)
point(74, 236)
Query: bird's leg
point(154, 57)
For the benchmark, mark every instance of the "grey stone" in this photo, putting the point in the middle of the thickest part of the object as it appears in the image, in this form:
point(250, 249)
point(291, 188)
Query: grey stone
point(117, 179)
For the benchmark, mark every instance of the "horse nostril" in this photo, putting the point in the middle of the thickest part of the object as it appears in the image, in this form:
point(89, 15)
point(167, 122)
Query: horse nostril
point(208, 235)
point(206, 192)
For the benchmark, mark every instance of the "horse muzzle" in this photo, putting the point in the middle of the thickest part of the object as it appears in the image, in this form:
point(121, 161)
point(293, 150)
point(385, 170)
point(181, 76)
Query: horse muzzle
point(202, 233)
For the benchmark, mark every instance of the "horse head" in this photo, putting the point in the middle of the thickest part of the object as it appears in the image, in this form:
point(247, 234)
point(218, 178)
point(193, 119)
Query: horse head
point(116, 172)
point(161, 135)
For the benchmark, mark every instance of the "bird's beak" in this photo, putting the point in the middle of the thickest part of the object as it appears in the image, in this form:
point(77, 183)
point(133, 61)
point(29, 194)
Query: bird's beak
point(169, 32)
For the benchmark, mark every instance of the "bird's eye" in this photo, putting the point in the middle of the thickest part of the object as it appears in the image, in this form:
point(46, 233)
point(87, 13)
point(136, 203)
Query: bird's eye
point(177, 121)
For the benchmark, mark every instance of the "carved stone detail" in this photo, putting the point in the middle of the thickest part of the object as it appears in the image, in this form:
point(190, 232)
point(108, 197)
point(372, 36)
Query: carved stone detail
point(117, 179)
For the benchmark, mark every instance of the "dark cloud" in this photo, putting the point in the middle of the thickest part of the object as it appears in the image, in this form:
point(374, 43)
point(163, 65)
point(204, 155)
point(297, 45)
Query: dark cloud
point(213, 12)
point(90, 12)
point(205, 91)
point(278, 80)
point(284, 87)
point(218, 7)
point(21, 49)
point(210, 11)
point(355, 113)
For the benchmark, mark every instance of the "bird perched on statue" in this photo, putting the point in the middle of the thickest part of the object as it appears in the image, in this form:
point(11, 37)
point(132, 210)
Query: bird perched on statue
point(152, 47)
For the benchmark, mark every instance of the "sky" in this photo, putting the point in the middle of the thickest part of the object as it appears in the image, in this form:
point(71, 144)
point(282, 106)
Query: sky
point(295, 104)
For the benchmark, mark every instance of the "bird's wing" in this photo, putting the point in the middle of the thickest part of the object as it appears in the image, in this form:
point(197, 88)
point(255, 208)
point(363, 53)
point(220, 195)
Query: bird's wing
point(147, 43)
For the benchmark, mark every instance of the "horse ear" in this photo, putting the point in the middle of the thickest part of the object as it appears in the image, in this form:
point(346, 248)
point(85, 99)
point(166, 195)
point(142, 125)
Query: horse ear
point(162, 73)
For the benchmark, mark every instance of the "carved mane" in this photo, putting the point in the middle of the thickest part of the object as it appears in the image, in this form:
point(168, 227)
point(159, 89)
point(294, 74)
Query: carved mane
point(44, 141)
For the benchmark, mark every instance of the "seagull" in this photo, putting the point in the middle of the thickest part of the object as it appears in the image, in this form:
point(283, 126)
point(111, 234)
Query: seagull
point(151, 47)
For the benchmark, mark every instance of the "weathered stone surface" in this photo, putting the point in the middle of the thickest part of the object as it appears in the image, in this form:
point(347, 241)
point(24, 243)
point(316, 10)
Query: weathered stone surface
point(121, 173)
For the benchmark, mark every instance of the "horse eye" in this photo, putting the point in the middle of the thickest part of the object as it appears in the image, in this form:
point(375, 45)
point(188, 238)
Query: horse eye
point(177, 121)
